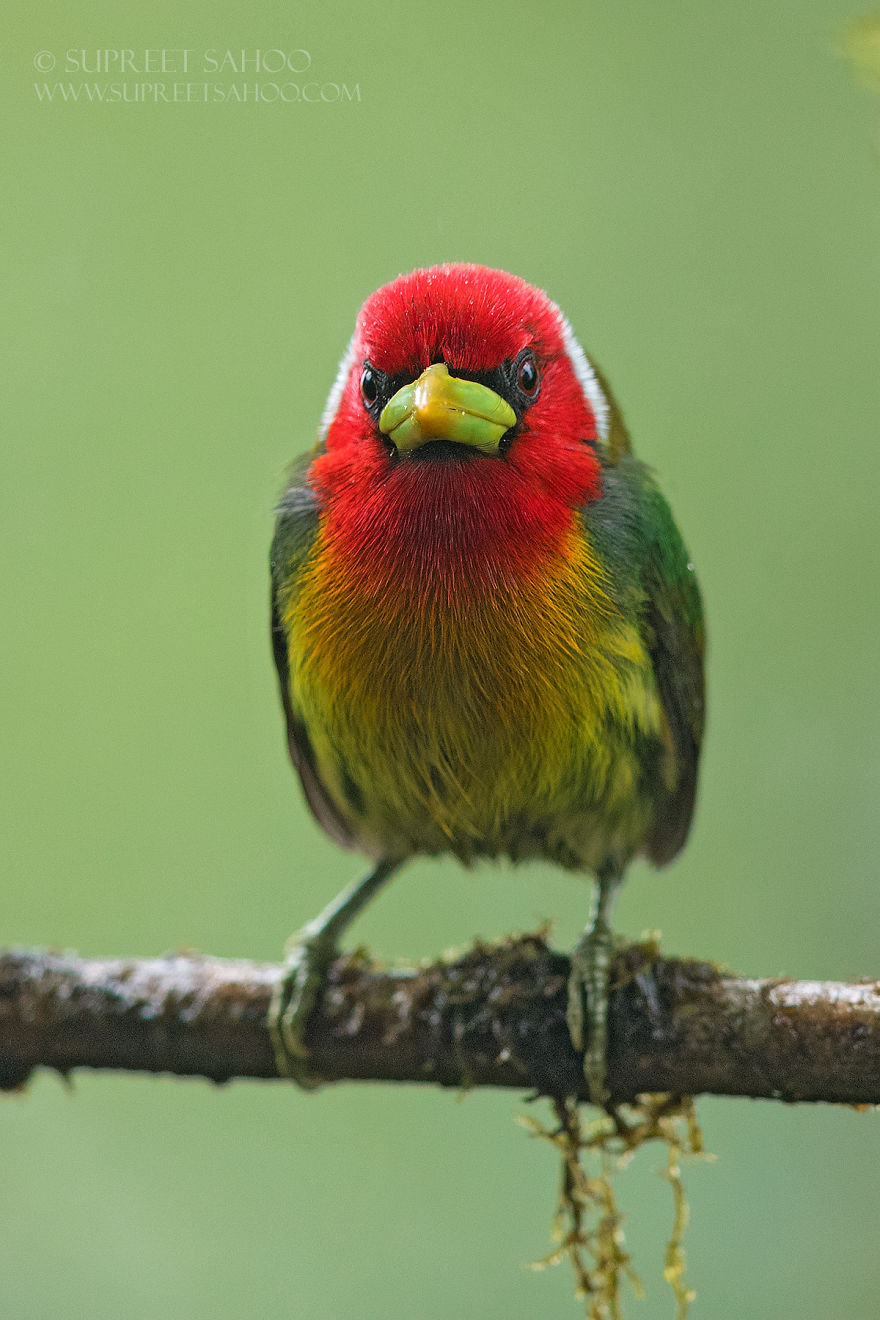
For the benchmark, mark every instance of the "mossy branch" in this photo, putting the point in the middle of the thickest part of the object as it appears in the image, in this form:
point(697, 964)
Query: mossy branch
point(492, 1017)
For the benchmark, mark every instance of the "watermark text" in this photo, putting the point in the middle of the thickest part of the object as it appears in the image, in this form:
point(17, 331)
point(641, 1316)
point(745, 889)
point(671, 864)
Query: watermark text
point(179, 75)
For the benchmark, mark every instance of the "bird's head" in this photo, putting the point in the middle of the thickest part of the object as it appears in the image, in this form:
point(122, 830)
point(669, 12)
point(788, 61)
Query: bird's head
point(464, 385)
point(460, 355)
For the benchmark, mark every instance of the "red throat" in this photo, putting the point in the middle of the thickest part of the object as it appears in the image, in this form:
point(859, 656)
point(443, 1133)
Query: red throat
point(451, 528)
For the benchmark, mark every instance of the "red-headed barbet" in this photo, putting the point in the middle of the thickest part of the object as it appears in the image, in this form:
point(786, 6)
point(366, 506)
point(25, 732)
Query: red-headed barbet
point(487, 628)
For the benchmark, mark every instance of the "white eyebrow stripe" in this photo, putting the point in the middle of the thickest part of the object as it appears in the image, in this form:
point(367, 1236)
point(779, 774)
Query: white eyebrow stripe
point(589, 381)
point(335, 396)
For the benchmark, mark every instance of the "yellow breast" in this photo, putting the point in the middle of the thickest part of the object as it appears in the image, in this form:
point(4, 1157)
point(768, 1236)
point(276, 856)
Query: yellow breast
point(508, 720)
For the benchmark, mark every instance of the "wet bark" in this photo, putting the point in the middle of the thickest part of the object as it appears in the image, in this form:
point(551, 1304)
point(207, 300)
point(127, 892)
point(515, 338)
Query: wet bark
point(493, 1017)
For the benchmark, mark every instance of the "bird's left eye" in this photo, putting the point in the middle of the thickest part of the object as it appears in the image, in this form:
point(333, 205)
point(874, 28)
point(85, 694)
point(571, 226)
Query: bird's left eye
point(527, 377)
point(369, 386)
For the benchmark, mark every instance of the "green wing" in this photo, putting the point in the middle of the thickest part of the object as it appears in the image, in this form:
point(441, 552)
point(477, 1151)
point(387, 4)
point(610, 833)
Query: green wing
point(296, 531)
point(652, 577)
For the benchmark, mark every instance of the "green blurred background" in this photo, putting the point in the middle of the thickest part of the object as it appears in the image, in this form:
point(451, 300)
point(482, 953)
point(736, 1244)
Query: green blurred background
point(698, 186)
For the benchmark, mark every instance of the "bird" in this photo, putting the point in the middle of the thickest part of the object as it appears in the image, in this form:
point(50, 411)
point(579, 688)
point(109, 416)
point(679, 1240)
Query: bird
point(487, 629)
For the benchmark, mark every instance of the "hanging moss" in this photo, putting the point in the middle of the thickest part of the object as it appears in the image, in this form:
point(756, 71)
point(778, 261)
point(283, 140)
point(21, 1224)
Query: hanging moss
point(588, 1223)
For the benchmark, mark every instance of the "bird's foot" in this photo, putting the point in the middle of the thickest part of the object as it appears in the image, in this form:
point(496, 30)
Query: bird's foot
point(587, 1011)
point(307, 958)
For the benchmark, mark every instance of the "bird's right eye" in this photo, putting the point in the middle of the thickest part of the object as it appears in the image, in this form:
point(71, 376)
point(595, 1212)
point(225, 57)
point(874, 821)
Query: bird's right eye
point(369, 386)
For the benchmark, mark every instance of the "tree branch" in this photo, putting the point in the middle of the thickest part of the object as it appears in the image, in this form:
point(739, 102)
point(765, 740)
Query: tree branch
point(493, 1017)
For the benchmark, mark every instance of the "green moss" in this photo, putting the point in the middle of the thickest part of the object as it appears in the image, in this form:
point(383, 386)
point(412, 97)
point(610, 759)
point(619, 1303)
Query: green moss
point(587, 1225)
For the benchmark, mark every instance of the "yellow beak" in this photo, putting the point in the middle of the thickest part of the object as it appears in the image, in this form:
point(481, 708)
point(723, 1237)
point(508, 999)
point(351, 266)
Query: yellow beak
point(438, 406)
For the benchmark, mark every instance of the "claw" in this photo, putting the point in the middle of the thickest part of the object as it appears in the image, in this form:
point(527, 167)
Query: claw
point(307, 958)
point(588, 990)
point(293, 999)
point(587, 1011)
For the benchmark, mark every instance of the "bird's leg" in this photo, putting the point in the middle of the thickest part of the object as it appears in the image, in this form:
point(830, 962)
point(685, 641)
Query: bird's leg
point(588, 981)
point(308, 954)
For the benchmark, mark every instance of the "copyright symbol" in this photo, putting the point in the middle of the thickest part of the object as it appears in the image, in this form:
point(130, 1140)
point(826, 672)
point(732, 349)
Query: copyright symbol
point(44, 61)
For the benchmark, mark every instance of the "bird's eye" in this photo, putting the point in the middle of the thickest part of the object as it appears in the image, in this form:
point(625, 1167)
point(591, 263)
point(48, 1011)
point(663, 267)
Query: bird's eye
point(369, 386)
point(527, 377)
